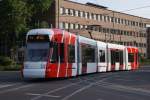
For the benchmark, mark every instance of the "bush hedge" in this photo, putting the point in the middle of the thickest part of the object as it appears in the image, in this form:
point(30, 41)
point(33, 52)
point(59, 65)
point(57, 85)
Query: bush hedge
point(8, 64)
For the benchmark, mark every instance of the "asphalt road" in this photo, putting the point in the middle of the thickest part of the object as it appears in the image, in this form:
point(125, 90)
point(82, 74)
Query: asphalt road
point(124, 85)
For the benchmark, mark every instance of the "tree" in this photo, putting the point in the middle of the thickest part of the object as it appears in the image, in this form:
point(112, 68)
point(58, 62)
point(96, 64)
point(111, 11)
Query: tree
point(38, 8)
point(14, 14)
point(18, 16)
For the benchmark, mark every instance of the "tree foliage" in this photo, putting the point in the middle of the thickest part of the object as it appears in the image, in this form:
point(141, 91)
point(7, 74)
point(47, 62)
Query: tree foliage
point(16, 17)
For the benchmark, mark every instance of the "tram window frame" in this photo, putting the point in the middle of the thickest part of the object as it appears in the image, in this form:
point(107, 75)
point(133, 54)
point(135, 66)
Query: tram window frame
point(102, 56)
point(71, 53)
point(131, 57)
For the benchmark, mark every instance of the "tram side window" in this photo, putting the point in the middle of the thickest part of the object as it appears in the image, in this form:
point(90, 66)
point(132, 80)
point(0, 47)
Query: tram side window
point(54, 53)
point(113, 57)
point(130, 57)
point(121, 57)
point(91, 53)
point(88, 54)
point(71, 53)
point(117, 56)
point(102, 55)
point(61, 46)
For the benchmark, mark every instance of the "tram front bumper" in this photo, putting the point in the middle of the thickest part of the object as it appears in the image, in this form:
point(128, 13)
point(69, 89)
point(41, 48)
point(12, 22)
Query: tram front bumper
point(34, 73)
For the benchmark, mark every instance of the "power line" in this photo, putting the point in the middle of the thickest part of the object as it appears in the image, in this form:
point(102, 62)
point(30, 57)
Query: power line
point(135, 8)
point(123, 11)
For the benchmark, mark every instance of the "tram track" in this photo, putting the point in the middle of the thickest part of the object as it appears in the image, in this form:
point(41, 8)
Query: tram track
point(82, 80)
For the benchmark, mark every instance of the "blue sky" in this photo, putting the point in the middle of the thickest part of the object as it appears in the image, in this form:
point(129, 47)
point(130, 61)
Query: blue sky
point(122, 5)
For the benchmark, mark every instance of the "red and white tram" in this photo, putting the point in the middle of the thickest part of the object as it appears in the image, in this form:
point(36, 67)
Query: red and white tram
point(55, 53)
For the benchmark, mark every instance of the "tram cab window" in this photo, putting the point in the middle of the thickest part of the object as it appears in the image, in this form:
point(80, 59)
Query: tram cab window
point(57, 50)
point(61, 46)
point(71, 53)
point(131, 57)
point(54, 52)
point(102, 55)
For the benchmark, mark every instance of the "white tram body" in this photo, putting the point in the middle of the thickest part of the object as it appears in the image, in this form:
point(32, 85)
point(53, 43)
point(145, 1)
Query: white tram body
point(55, 53)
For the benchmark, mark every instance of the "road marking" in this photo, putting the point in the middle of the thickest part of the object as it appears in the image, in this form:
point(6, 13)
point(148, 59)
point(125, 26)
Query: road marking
point(125, 88)
point(4, 86)
point(14, 89)
point(52, 96)
point(83, 88)
point(64, 87)
point(125, 80)
point(55, 90)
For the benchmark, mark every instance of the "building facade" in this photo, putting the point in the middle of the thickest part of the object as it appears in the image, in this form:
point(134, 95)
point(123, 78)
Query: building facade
point(148, 42)
point(100, 23)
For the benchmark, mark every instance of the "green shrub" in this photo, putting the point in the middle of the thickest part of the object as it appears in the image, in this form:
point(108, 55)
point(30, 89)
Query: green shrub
point(5, 61)
point(8, 64)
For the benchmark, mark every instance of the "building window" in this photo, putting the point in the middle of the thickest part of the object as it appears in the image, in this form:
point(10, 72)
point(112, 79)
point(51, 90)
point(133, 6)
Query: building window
point(86, 15)
point(94, 16)
point(125, 21)
point(62, 10)
point(137, 24)
point(81, 14)
point(76, 26)
point(71, 12)
point(97, 17)
point(67, 11)
point(71, 26)
point(112, 19)
point(115, 20)
point(105, 18)
point(66, 26)
point(61, 25)
point(90, 16)
point(121, 21)
point(76, 13)
point(79, 27)
point(101, 18)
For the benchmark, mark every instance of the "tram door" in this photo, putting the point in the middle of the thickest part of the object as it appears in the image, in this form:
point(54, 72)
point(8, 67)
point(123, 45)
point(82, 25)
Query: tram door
point(84, 59)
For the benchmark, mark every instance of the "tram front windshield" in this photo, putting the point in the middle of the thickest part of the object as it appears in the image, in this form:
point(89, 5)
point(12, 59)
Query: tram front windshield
point(37, 48)
point(37, 52)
